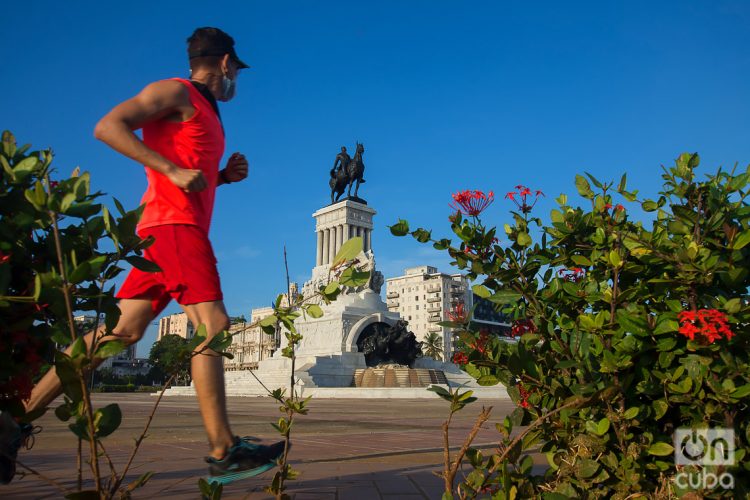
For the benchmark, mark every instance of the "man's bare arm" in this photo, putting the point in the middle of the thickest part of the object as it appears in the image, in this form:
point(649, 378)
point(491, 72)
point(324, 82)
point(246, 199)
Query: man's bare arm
point(158, 100)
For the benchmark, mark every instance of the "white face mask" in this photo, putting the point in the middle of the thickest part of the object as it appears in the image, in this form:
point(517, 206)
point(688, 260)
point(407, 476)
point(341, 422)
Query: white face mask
point(228, 87)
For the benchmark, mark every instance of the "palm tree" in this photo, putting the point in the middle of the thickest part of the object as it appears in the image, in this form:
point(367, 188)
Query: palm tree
point(432, 346)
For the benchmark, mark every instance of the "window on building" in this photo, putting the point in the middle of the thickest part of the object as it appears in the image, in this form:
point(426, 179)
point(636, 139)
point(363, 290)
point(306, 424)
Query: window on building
point(417, 306)
point(416, 297)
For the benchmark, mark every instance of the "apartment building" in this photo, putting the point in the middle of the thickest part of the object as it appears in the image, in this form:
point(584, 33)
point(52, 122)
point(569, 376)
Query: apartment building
point(250, 344)
point(176, 324)
point(424, 297)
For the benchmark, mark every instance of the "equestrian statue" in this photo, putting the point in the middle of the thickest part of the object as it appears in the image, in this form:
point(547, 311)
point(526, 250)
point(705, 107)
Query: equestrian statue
point(346, 172)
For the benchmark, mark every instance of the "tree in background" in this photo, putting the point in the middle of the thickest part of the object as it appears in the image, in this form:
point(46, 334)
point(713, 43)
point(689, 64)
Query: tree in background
point(432, 346)
point(167, 356)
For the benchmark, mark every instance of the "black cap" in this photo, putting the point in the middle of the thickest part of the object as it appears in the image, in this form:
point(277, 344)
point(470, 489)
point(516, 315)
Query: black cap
point(205, 42)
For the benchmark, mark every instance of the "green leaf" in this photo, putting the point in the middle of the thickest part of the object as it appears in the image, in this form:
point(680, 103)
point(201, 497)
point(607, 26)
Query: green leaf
point(660, 408)
point(523, 239)
point(314, 311)
point(581, 260)
point(586, 467)
point(594, 181)
point(741, 240)
point(107, 420)
point(353, 278)
point(741, 392)
point(504, 297)
point(78, 348)
point(623, 181)
point(615, 259)
point(142, 264)
point(80, 273)
point(63, 412)
point(349, 250)
point(602, 427)
point(481, 291)
point(67, 201)
point(400, 229)
point(331, 288)
point(119, 206)
point(631, 413)
point(649, 205)
point(26, 166)
point(108, 349)
point(583, 187)
point(421, 235)
point(660, 449)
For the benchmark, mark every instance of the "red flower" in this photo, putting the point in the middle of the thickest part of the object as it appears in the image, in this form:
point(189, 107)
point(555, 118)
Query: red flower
point(460, 358)
point(710, 323)
point(458, 313)
point(4, 257)
point(53, 184)
point(472, 202)
point(607, 206)
point(522, 326)
point(574, 274)
point(481, 344)
point(524, 193)
point(524, 396)
point(619, 207)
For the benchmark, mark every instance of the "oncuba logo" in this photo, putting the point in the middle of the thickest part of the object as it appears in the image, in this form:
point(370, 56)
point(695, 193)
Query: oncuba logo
point(708, 451)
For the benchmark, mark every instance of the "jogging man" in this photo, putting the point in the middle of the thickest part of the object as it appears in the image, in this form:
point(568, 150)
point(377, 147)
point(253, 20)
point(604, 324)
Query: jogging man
point(182, 146)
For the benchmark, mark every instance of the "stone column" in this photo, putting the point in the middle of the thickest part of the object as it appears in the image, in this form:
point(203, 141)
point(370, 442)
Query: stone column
point(340, 238)
point(332, 245)
point(347, 232)
point(368, 237)
point(326, 245)
point(319, 248)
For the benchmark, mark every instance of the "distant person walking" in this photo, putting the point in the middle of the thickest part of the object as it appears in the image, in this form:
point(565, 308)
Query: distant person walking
point(182, 146)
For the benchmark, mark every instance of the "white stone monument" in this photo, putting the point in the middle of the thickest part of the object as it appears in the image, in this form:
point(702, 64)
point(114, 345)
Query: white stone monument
point(328, 357)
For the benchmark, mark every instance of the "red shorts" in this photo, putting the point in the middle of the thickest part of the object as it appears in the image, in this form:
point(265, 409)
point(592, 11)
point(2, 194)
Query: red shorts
point(188, 266)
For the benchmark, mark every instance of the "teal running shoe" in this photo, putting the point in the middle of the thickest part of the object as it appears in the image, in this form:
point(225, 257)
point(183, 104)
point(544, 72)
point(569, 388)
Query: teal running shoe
point(244, 459)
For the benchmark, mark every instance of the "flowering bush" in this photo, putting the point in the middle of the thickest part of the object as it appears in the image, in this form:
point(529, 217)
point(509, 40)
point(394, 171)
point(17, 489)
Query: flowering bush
point(627, 331)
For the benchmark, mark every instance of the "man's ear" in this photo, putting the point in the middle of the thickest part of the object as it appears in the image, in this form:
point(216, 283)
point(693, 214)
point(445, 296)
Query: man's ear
point(225, 64)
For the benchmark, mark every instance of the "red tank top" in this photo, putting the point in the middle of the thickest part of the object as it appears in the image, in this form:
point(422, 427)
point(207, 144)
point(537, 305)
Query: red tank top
point(197, 143)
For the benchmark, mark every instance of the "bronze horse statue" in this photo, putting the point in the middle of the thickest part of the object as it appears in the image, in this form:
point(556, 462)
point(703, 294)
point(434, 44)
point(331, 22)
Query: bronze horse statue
point(348, 172)
point(338, 182)
point(355, 170)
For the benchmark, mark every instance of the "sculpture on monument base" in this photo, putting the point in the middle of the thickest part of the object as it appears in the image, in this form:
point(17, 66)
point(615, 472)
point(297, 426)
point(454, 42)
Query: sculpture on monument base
point(347, 172)
point(387, 345)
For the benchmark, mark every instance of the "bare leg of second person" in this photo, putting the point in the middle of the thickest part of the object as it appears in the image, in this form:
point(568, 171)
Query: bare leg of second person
point(136, 315)
point(207, 371)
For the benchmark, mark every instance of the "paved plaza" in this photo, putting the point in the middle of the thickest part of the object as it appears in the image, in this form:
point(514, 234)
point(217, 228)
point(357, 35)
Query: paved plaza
point(344, 449)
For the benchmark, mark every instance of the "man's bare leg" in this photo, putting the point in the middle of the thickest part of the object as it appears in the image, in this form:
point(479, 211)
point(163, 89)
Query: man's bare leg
point(136, 315)
point(207, 371)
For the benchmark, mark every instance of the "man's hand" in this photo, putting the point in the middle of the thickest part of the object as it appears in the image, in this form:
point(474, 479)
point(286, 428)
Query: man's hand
point(189, 180)
point(236, 169)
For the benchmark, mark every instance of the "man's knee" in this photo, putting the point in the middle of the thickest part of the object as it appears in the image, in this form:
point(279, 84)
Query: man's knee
point(129, 334)
point(217, 323)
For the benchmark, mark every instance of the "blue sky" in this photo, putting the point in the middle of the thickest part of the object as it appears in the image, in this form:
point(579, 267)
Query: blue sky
point(444, 95)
